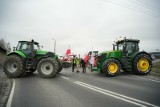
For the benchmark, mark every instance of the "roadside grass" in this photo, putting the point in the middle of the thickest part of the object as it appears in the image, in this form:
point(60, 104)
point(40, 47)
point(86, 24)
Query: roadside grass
point(156, 67)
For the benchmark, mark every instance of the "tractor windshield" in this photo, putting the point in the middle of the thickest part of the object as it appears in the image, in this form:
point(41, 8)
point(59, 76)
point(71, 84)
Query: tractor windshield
point(23, 46)
point(131, 47)
point(128, 48)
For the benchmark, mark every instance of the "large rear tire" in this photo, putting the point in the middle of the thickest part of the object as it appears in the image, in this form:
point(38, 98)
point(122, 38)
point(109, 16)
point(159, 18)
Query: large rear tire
point(47, 68)
point(142, 64)
point(13, 66)
point(111, 67)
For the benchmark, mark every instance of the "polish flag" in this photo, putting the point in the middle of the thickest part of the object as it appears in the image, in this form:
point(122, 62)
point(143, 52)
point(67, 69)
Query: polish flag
point(86, 57)
point(93, 60)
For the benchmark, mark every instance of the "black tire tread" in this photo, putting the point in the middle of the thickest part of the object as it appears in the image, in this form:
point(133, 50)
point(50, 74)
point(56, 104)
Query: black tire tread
point(105, 67)
point(55, 66)
point(20, 69)
point(60, 66)
point(135, 69)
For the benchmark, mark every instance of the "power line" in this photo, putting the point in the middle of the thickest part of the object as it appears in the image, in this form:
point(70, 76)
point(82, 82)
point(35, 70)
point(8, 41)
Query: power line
point(146, 5)
point(142, 9)
point(134, 8)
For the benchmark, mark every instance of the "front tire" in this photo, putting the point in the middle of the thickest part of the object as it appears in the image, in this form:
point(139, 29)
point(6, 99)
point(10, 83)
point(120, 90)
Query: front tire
point(47, 68)
point(13, 66)
point(111, 67)
point(142, 64)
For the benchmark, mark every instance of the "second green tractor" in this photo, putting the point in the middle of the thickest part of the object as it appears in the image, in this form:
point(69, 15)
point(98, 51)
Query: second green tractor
point(124, 56)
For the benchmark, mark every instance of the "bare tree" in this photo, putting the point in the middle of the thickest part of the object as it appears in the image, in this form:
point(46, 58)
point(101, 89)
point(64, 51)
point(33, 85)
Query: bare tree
point(5, 45)
point(2, 43)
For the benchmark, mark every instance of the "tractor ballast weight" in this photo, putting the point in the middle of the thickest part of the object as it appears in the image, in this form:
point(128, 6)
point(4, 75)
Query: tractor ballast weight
point(124, 56)
point(27, 58)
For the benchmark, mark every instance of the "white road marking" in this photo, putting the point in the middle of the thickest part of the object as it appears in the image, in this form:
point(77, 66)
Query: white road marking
point(65, 77)
point(11, 95)
point(148, 79)
point(116, 95)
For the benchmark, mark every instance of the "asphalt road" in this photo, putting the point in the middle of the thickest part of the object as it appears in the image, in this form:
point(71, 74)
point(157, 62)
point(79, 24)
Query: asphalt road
point(71, 89)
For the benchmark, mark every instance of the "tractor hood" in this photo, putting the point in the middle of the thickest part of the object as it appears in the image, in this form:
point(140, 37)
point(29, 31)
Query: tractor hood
point(114, 52)
point(46, 53)
point(41, 52)
point(109, 54)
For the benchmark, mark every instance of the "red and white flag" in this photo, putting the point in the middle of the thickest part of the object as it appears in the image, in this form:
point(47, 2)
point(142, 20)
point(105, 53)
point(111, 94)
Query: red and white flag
point(68, 51)
point(86, 57)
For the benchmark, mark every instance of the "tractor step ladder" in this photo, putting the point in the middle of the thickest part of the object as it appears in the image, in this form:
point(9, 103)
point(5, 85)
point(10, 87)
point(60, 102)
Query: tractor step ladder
point(129, 65)
point(29, 63)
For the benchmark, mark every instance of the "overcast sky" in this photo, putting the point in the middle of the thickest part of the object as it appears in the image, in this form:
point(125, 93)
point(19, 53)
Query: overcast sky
point(82, 24)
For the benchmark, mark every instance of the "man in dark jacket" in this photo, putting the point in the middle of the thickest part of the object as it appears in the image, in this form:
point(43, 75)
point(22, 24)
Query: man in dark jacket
point(83, 65)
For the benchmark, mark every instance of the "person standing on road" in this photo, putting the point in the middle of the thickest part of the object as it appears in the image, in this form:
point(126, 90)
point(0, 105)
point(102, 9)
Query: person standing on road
point(73, 63)
point(83, 64)
point(77, 64)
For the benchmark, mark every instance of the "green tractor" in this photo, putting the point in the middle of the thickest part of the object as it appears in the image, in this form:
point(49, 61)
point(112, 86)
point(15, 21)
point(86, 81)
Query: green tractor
point(126, 56)
point(27, 58)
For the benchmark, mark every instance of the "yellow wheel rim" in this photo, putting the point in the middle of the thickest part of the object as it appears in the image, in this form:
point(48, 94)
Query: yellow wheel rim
point(143, 64)
point(112, 67)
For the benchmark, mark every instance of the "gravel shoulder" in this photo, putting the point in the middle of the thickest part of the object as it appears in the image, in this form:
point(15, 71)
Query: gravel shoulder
point(5, 88)
point(156, 67)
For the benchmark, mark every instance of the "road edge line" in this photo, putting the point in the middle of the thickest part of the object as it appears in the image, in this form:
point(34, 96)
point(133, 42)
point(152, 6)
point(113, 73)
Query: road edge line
point(9, 102)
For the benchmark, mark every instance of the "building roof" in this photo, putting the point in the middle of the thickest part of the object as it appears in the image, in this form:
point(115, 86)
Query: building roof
point(30, 42)
point(127, 40)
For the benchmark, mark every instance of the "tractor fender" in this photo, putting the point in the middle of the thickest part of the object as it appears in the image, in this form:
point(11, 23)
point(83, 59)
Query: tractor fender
point(117, 59)
point(19, 53)
point(137, 53)
point(36, 63)
point(113, 58)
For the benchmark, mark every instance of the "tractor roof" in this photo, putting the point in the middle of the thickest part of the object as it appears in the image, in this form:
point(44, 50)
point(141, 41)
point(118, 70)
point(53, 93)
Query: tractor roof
point(90, 52)
point(93, 51)
point(127, 40)
point(30, 42)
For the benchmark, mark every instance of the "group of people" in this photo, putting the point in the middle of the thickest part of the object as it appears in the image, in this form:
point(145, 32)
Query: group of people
point(77, 63)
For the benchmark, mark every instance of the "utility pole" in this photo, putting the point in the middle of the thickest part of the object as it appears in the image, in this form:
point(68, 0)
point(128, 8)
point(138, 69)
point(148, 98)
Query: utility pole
point(54, 45)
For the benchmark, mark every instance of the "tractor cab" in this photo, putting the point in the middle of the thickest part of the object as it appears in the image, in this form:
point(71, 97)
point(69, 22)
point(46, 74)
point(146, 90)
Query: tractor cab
point(29, 48)
point(127, 46)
